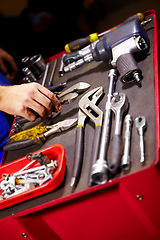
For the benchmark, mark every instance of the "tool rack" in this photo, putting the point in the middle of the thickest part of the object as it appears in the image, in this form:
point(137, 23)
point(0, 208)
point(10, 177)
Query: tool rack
point(127, 206)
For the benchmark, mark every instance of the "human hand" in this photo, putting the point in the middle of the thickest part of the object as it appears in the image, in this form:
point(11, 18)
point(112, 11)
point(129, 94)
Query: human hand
point(7, 65)
point(20, 99)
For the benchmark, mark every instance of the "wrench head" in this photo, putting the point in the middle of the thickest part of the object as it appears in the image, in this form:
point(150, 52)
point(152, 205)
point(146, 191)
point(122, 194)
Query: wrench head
point(87, 104)
point(91, 96)
point(119, 102)
point(140, 123)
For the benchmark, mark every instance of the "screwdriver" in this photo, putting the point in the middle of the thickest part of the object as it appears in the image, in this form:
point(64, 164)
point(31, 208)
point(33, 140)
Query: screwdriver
point(83, 42)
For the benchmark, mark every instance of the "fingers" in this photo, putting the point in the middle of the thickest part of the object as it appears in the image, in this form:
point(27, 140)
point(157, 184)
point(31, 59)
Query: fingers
point(25, 99)
point(29, 115)
point(12, 71)
point(43, 102)
point(56, 104)
point(53, 100)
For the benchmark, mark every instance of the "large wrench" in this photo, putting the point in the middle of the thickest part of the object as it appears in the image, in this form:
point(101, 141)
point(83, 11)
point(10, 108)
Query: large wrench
point(119, 106)
point(86, 106)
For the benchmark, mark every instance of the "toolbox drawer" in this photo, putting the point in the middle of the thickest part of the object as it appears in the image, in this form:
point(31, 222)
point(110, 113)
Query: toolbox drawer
point(127, 206)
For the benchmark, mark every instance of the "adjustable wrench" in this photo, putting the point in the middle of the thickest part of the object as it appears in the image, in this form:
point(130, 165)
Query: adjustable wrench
point(119, 106)
point(96, 115)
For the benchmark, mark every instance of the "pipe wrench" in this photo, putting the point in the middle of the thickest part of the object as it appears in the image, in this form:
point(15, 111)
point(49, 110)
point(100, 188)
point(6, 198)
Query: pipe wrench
point(87, 108)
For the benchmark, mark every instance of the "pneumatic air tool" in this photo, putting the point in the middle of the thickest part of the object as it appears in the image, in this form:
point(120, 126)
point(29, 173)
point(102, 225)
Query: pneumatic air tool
point(116, 47)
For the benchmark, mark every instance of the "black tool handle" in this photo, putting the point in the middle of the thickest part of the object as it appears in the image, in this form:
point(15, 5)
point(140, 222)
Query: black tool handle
point(96, 143)
point(78, 160)
point(18, 145)
point(115, 154)
point(57, 88)
point(95, 149)
point(21, 120)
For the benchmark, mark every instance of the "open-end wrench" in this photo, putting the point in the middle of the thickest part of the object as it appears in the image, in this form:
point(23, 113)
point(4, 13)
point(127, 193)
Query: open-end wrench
point(86, 106)
point(119, 106)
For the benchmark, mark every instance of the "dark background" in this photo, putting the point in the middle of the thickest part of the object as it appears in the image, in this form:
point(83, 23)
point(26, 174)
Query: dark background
point(30, 27)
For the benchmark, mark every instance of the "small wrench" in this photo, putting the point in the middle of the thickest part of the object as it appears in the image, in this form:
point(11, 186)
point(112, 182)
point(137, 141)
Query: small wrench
point(119, 106)
point(140, 122)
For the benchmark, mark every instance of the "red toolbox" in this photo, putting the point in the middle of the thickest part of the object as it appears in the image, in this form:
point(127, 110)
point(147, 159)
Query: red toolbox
point(53, 152)
point(126, 207)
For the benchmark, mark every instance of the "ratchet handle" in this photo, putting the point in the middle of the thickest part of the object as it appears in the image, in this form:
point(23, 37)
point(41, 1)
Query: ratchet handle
point(115, 154)
point(71, 57)
point(78, 152)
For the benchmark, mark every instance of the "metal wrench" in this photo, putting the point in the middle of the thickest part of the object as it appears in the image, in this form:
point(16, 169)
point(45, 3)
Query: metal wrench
point(99, 171)
point(96, 115)
point(141, 124)
point(86, 108)
point(127, 142)
point(119, 106)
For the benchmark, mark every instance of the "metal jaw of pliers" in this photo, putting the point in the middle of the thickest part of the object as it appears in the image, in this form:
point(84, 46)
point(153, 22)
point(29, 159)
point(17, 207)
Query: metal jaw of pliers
point(66, 97)
point(37, 134)
point(73, 92)
point(87, 108)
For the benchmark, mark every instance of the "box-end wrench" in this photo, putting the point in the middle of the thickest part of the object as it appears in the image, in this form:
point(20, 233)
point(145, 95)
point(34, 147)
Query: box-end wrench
point(119, 107)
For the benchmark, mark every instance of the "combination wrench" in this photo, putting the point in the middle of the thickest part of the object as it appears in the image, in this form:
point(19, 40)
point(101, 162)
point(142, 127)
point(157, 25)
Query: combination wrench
point(119, 107)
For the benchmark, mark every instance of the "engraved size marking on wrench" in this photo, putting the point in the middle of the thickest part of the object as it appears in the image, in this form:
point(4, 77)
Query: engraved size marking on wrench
point(140, 122)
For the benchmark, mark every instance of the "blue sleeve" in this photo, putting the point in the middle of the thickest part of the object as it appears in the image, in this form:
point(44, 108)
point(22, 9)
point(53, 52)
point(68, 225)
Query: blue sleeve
point(4, 124)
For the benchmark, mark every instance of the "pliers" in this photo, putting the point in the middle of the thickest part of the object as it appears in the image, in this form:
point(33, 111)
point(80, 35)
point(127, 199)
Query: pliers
point(87, 108)
point(72, 93)
point(37, 134)
point(67, 96)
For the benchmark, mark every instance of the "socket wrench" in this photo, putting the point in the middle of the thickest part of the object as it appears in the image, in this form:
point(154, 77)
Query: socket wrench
point(99, 171)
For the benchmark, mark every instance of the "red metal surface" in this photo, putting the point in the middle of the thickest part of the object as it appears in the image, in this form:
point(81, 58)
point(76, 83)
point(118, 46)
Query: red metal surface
point(124, 208)
point(54, 152)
